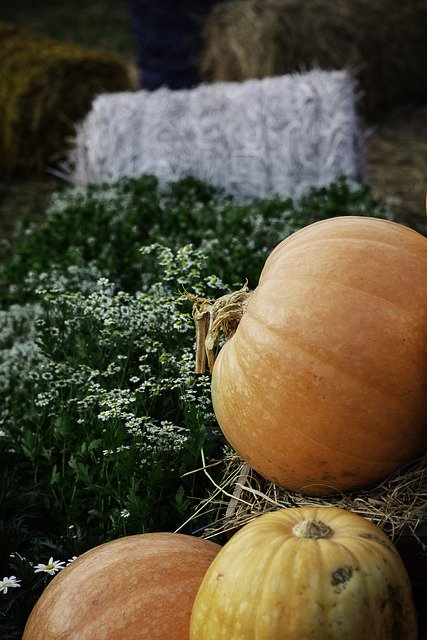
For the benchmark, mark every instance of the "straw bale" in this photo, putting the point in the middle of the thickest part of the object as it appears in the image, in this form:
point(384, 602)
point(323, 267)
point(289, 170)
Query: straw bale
point(277, 135)
point(382, 40)
point(45, 88)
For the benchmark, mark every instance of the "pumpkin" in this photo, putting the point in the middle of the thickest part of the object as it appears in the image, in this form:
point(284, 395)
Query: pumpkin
point(140, 586)
point(320, 573)
point(322, 387)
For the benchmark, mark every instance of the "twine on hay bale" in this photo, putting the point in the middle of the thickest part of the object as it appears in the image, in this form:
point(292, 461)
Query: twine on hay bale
point(254, 139)
point(383, 41)
point(398, 505)
point(45, 88)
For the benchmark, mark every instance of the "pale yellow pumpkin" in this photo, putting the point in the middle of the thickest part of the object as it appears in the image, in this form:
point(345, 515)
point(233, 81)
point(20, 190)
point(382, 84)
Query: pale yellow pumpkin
point(306, 573)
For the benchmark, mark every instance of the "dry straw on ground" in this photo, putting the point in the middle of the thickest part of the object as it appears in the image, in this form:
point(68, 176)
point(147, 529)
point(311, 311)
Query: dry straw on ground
point(398, 505)
point(383, 41)
point(396, 160)
point(45, 88)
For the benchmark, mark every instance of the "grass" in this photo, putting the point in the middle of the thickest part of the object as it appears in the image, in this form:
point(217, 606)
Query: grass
point(23, 198)
point(105, 24)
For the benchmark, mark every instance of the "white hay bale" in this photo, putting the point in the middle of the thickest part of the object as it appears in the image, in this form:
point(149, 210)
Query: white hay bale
point(257, 138)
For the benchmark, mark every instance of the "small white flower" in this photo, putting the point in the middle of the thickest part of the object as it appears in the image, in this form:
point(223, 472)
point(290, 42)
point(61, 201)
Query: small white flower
point(9, 583)
point(125, 513)
point(70, 560)
point(51, 567)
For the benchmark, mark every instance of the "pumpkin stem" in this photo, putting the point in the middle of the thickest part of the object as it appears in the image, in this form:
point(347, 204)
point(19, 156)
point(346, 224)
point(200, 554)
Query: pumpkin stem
point(312, 529)
point(213, 319)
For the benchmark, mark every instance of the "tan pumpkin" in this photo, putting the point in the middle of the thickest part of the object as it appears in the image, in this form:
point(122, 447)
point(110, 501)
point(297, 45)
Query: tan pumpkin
point(323, 387)
point(298, 573)
point(134, 588)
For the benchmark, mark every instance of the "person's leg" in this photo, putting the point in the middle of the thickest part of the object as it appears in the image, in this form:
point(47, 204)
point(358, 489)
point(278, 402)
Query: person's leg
point(168, 41)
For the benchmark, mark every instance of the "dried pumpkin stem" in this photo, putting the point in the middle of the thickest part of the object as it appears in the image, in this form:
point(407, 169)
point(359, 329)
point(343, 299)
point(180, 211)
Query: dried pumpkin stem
point(213, 319)
point(312, 529)
point(201, 315)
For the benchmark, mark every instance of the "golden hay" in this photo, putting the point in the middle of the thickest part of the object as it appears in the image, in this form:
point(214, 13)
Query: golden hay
point(45, 88)
point(382, 40)
point(398, 505)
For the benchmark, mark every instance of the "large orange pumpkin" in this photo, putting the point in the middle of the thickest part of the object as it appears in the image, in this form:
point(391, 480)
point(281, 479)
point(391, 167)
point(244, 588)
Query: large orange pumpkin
point(323, 386)
point(320, 573)
point(140, 587)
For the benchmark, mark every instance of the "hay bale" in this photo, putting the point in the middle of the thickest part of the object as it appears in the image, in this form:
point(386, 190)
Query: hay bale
point(45, 87)
point(382, 40)
point(253, 139)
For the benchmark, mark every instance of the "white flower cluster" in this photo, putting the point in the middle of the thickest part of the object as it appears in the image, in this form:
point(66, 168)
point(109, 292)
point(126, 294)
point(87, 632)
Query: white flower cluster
point(20, 353)
point(146, 341)
point(72, 278)
point(50, 567)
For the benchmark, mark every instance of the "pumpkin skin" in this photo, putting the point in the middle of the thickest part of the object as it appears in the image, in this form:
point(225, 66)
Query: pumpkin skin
point(138, 587)
point(323, 386)
point(267, 583)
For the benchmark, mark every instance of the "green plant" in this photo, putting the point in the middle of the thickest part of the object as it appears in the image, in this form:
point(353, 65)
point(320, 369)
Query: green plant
point(92, 23)
point(107, 424)
point(105, 226)
point(103, 413)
